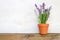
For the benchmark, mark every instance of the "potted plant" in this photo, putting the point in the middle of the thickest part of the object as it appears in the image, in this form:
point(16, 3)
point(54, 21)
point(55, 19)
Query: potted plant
point(43, 17)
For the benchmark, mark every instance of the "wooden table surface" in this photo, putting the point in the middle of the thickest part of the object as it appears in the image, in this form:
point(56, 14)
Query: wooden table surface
point(51, 36)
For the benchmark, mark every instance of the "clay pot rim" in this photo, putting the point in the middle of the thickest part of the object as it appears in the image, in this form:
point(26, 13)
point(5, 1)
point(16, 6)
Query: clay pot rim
point(43, 24)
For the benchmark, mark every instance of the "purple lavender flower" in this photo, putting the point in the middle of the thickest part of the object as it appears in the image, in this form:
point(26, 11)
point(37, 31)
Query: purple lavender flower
point(39, 10)
point(36, 5)
point(43, 5)
point(46, 10)
point(42, 9)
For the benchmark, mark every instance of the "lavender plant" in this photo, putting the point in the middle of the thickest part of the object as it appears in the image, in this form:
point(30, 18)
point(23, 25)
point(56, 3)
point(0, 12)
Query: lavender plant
point(43, 13)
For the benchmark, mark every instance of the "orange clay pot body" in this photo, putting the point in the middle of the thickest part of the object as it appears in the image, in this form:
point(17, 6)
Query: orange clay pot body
point(43, 28)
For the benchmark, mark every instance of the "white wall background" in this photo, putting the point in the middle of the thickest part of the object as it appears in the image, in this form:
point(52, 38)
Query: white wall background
point(18, 16)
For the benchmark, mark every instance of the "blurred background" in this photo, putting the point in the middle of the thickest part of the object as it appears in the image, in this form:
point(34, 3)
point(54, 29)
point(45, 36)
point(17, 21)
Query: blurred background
point(18, 16)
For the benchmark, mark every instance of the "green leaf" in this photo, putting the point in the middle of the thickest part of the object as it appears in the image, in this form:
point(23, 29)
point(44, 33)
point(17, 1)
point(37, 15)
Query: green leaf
point(43, 18)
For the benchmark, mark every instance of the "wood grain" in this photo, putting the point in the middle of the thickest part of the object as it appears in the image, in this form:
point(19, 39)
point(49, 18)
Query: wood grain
point(12, 36)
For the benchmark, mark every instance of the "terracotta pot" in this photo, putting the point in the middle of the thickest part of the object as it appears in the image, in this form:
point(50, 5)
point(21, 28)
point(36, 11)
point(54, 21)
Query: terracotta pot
point(43, 28)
